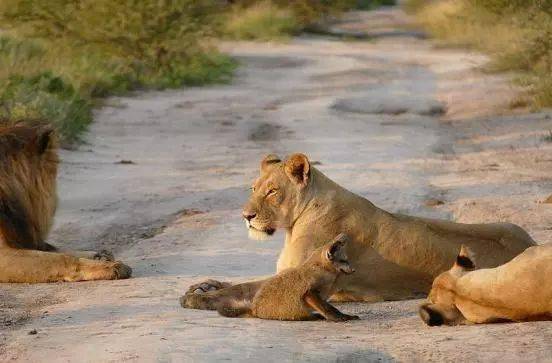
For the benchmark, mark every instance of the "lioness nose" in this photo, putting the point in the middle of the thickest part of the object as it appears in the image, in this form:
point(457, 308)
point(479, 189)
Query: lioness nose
point(249, 215)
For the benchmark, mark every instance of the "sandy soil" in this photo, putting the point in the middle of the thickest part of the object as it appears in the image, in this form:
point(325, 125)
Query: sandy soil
point(427, 141)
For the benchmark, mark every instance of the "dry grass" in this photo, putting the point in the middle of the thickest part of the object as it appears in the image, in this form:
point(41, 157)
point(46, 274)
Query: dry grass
point(260, 21)
point(516, 34)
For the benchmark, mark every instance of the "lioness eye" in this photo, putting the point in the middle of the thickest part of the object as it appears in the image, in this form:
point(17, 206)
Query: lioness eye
point(271, 191)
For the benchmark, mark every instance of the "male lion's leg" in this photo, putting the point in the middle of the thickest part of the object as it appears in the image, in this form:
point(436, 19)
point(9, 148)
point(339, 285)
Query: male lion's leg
point(38, 266)
point(205, 296)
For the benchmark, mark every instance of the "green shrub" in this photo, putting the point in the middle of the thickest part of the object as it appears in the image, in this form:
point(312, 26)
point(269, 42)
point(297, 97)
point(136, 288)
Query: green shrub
point(373, 4)
point(95, 48)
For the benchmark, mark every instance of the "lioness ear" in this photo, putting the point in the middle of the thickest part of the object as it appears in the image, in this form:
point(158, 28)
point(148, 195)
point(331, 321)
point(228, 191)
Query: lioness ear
point(298, 169)
point(44, 139)
point(430, 316)
point(268, 162)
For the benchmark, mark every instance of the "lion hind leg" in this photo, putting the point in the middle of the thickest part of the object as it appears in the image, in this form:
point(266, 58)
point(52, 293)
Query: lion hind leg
point(30, 266)
point(235, 309)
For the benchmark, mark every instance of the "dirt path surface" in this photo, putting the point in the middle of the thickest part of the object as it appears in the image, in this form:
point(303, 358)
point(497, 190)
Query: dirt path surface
point(162, 177)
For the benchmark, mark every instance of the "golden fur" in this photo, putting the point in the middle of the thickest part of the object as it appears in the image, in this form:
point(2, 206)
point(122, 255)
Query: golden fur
point(519, 290)
point(295, 293)
point(28, 170)
point(396, 256)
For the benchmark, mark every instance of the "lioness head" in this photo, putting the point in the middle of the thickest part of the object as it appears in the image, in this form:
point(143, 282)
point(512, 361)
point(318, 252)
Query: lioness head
point(440, 308)
point(278, 194)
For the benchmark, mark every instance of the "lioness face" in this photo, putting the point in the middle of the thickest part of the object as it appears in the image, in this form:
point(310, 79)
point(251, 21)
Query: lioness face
point(275, 195)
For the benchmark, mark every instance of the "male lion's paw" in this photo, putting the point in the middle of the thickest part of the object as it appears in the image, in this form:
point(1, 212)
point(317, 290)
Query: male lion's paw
point(121, 271)
point(208, 285)
point(103, 255)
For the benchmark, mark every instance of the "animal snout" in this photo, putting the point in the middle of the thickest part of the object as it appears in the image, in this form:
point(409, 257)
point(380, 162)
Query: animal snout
point(249, 215)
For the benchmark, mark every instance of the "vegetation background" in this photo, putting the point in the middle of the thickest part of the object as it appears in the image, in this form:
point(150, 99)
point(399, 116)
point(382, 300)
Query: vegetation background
point(516, 33)
point(59, 58)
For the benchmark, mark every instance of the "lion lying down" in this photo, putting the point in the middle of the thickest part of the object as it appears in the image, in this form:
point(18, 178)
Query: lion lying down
point(28, 169)
point(519, 290)
point(395, 256)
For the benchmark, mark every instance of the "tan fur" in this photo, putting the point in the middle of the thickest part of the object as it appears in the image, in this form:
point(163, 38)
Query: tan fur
point(282, 297)
point(519, 290)
point(396, 256)
point(28, 170)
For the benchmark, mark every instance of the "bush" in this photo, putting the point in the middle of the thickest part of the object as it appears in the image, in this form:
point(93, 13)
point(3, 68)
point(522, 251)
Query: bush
point(260, 21)
point(516, 33)
point(373, 4)
point(305, 12)
point(94, 48)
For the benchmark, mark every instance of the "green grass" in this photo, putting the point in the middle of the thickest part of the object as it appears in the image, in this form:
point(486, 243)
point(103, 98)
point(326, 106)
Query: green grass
point(517, 34)
point(262, 21)
point(57, 57)
point(373, 4)
point(270, 20)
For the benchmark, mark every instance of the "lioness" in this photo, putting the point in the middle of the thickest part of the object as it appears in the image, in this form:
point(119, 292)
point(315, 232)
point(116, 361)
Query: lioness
point(28, 170)
point(395, 256)
point(519, 290)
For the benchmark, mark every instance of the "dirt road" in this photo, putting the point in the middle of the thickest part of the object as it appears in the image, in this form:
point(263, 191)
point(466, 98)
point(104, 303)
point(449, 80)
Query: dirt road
point(162, 177)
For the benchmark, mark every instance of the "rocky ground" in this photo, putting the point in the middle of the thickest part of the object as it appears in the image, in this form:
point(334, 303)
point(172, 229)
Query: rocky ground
point(162, 176)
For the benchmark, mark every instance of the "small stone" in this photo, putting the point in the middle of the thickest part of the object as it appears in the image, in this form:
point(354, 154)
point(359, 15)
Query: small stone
point(33, 332)
point(433, 202)
point(125, 162)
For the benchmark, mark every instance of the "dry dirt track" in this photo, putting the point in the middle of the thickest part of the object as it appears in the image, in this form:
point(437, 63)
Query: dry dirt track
point(369, 112)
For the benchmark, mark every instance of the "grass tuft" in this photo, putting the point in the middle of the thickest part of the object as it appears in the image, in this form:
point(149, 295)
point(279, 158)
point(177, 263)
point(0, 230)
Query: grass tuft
point(261, 21)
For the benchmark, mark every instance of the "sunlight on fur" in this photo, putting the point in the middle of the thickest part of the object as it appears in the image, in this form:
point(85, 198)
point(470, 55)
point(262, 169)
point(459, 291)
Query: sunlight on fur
point(257, 235)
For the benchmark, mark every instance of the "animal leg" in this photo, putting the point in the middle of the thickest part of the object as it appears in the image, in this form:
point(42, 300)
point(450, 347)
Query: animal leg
point(102, 255)
point(324, 308)
point(196, 298)
point(17, 265)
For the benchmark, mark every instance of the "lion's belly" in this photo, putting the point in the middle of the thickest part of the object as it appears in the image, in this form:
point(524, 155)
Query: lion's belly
point(280, 301)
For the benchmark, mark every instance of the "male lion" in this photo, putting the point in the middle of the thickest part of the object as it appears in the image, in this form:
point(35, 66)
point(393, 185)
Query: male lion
point(519, 290)
point(396, 256)
point(28, 170)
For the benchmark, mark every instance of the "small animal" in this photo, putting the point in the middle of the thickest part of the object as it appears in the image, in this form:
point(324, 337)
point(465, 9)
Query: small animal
point(299, 293)
point(519, 290)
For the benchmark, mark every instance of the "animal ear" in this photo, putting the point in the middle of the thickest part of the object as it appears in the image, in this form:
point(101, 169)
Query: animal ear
point(337, 243)
point(268, 162)
point(297, 169)
point(44, 139)
point(465, 259)
point(431, 316)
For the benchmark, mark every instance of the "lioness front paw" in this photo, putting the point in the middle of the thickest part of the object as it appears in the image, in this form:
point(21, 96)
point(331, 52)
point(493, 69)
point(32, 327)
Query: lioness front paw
point(103, 255)
point(208, 285)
